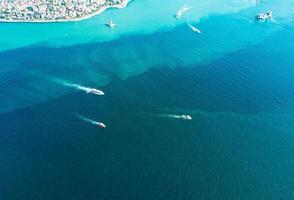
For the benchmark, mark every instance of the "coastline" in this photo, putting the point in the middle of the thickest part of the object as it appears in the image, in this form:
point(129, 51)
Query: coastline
point(98, 12)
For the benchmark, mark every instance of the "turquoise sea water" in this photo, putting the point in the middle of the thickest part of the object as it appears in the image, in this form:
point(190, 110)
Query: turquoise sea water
point(236, 80)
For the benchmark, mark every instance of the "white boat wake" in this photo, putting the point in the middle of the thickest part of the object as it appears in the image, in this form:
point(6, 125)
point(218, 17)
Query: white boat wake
point(269, 20)
point(90, 121)
point(172, 116)
point(275, 21)
point(79, 87)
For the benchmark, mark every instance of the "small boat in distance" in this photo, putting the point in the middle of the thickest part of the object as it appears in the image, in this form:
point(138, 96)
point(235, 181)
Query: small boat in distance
point(186, 117)
point(194, 29)
point(265, 16)
point(173, 116)
point(101, 125)
point(78, 87)
point(110, 24)
point(181, 12)
point(90, 121)
point(94, 91)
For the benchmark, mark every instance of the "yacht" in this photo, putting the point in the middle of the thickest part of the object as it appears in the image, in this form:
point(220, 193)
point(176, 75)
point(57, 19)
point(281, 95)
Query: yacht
point(265, 16)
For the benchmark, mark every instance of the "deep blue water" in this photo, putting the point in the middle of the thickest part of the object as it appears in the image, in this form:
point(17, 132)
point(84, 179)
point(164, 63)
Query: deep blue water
point(239, 144)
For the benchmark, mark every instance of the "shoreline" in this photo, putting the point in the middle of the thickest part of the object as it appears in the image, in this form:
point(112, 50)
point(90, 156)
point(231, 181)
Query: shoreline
point(98, 12)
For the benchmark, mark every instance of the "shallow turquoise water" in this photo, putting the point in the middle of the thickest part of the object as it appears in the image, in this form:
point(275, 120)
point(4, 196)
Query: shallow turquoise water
point(140, 17)
point(235, 80)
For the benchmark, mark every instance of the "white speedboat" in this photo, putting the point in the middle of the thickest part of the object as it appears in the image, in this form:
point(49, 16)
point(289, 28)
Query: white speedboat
point(265, 16)
point(94, 91)
point(181, 12)
point(90, 121)
point(194, 29)
point(111, 24)
point(186, 117)
point(101, 125)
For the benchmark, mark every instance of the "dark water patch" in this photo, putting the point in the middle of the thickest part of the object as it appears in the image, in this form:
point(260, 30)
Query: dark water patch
point(47, 153)
point(239, 144)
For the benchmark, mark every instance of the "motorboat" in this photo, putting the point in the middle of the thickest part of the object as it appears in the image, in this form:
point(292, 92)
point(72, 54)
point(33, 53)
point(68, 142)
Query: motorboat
point(186, 117)
point(194, 29)
point(94, 91)
point(90, 121)
point(101, 125)
point(181, 12)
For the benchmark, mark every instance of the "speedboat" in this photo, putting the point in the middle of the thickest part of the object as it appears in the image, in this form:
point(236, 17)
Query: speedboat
point(94, 91)
point(110, 24)
point(101, 125)
point(194, 29)
point(90, 121)
point(265, 16)
point(181, 12)
point(186, 117)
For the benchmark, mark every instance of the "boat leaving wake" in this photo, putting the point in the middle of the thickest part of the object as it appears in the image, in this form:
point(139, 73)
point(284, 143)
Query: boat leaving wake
point(181, 11)
point(90, 121)
point(194, 28)
point(79, 87)
point(172, 116)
